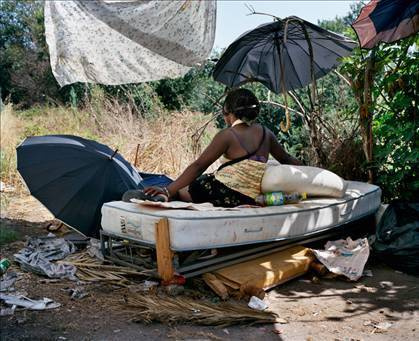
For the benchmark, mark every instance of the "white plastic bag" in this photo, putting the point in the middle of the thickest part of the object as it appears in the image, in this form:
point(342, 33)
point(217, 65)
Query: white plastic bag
point(345, 257)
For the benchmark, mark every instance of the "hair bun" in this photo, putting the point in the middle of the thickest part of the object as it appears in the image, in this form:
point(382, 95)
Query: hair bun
point(243, 103)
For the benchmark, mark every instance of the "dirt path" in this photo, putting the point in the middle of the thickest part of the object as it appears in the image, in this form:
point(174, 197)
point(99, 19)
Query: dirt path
point(328, 310)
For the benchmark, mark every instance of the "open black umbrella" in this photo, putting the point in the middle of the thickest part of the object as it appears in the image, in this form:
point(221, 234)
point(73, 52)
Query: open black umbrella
point(283, 55)
point(72, 177)
point(386, 21)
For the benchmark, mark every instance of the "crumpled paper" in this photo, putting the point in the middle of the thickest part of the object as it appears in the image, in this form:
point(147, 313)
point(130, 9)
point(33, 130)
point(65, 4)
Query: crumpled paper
point(345, 257)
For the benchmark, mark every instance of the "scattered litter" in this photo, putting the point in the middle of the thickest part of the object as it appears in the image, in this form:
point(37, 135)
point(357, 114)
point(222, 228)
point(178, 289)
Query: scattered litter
point(76, 293)
point(7, 281)
point(62, 338)
point(149, 308)
point(7, 311)
point(226, 331)
point(378, 326)
point(174, 290)
point(345, 257)
point(150, 284)
point(257, 304)
point(386, 284)
point(25, 302)
point(6, 188)
point(94, 249)
point(117, 330)
point(383, 325)
point(367, 273)
point(4, 265)
point(39, 253)
point(362, 287)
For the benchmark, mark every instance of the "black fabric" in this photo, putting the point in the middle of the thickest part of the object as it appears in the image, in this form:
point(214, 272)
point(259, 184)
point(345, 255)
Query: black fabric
point(245, 157)
point(207, 188)
point(73, 177)
point(397, 237)
point(389, 14)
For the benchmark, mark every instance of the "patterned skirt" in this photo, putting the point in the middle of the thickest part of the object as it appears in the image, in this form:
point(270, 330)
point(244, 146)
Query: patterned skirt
point(207, 188)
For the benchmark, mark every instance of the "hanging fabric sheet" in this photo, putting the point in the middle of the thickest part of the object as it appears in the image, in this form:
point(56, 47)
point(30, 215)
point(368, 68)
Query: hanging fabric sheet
point(127, 41)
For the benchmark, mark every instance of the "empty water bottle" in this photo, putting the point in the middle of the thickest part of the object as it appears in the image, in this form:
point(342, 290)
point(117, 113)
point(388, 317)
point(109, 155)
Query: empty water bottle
point(280, 198)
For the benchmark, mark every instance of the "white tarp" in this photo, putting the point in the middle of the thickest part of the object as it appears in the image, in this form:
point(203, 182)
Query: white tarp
point(127, 41)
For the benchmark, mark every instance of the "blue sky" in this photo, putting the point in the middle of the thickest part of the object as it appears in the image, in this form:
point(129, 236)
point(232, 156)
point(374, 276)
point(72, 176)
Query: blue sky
point(232, 18)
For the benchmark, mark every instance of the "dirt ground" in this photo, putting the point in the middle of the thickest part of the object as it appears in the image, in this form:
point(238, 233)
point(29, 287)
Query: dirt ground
point(325, 310)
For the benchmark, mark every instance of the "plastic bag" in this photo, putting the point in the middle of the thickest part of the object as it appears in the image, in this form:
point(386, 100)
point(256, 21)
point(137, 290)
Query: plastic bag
point(397, 237)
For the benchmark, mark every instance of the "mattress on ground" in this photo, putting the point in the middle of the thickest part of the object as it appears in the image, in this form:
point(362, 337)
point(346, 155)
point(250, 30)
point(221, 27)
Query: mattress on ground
point(194, 230)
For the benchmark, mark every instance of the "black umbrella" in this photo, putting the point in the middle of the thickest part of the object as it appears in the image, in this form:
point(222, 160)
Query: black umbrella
point(387, 21)
point(73, 177)
point(283, 55)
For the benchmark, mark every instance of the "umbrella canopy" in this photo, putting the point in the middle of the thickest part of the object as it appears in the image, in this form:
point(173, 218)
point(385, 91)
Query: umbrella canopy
point(73, 177)
point(283, 55)
point(387, 21)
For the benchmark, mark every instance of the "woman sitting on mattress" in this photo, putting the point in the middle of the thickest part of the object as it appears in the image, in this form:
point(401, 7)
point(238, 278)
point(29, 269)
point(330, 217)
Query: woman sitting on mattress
point(244, 148)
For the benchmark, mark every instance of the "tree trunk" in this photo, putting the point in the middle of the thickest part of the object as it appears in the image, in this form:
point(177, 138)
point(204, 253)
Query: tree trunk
point(366, 115)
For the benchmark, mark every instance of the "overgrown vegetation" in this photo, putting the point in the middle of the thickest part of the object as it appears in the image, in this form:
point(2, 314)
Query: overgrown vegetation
point(162, 116)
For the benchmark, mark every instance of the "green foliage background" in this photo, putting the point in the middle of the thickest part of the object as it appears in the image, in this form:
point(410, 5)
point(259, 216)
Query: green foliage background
point(26, 80)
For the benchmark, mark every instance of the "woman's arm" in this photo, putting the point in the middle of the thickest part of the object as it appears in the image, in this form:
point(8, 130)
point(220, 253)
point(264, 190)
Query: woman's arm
point(280, 154)
point(217, 147)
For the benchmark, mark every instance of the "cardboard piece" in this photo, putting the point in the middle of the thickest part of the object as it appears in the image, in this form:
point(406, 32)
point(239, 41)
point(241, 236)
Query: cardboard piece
point(267, 271)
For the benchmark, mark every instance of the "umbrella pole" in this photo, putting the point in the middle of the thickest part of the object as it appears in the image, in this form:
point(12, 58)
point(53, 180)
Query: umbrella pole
point(284, 127)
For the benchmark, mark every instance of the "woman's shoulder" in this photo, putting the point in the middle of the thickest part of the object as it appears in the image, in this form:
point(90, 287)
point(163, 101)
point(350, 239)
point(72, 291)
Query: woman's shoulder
point(267, 130)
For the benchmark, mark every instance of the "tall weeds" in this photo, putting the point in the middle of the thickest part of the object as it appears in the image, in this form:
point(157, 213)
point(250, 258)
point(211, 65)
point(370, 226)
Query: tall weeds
point(161, 142)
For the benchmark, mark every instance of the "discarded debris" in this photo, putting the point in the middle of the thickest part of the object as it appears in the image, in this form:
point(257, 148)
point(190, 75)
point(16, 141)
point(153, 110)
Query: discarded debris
point(76, 293)
point(4, 265)
point(94, 249)
point(7, 311)
point(39, 253)
point(6, 188)
point(7, 281)
point(257, 304)
point(25, 302)
point(345, 257)
point(149, 308)
point(378, 326)
point(367, 273)
point(216, 285)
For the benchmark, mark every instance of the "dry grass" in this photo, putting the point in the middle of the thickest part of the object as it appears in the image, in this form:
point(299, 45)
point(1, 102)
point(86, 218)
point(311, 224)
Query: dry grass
point(92, 270)
point(172, 310)
point(164, 139)
point(10, 132)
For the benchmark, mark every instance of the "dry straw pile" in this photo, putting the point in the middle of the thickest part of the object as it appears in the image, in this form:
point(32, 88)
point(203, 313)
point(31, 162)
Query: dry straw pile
point(181, 309)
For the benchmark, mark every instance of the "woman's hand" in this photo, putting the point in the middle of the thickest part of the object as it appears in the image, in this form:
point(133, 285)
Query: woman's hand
point(155, 190)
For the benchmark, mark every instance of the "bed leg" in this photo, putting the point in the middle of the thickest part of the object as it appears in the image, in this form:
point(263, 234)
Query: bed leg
point(165, 266)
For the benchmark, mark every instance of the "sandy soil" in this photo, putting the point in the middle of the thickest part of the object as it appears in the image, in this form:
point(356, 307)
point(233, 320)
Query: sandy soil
point(327, 310)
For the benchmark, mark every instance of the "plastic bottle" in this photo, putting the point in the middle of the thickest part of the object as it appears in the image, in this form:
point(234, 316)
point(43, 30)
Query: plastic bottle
point(280, 198)
point(4, 265)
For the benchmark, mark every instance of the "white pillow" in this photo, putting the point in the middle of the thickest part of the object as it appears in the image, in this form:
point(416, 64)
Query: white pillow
point(311, 180)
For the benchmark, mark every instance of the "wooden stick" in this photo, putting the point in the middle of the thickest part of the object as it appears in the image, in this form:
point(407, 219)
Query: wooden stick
point(165, 267)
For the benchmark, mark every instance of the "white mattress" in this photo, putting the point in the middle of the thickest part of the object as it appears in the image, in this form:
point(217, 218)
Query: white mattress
point(192, 230)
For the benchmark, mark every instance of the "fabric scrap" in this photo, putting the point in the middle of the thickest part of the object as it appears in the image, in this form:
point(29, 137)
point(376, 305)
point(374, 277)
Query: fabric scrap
point(39, 253)
point(119, 42)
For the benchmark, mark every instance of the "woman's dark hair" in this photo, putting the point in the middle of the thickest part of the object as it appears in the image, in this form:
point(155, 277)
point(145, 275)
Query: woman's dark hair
point(242, 103)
